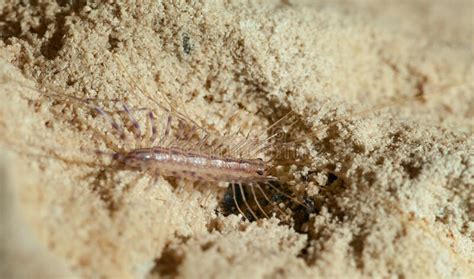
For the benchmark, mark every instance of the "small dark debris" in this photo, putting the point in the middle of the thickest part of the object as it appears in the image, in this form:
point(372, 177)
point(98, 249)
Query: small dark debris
point(168, 263)
point(331, 178)
point(209, 98)
point(277, 198)
point(302, 212)
point(307, 176)
point(228, 202)
point(186, 43)
point(309, 203)
point(113, 42)
point(411, 169)
point(9, 29)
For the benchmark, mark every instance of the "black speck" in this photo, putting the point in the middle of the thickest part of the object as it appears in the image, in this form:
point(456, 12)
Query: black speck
point(310, 206)
point(113, 42)
point(413, 170)
point(186, 43)
point(331, 178)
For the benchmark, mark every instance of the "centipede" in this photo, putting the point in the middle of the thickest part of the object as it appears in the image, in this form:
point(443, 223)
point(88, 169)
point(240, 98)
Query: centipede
point(168, 144)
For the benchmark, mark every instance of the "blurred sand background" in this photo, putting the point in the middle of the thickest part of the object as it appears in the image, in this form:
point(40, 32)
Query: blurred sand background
point(402, 200)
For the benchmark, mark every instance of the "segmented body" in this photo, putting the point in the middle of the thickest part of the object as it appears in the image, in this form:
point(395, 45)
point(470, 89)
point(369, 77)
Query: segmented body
point(182, 163)
point(200, 166)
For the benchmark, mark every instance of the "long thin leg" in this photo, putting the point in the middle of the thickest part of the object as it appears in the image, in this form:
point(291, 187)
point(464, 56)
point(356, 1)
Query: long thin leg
point(167, 131)
point(112, 121)
point(181, 130)
point(154, 130)
point(235, 200)
point(201, 143)
point(204, 201)
point(116, 129)
point(190, 133)
point(185, 136)
point(246, 148)
point(131, 81)
point(266, 144)
point(269, 201)
point(108, 142)
point(245, 201)
point(256, 201)
point(240, 145)
point(288, 196)
point(264, 141)
point(136, 126)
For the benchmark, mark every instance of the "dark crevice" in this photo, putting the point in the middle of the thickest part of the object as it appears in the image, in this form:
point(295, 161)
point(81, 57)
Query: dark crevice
point(167, 265)
point(104, 191)
point(51, 47)
point(357, 244)
point(11, 25)
point(114, 42)
point(412, 169)
point(9, 28)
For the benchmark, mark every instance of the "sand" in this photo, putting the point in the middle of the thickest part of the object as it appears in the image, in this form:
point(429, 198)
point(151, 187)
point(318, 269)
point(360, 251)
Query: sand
point(392, 188)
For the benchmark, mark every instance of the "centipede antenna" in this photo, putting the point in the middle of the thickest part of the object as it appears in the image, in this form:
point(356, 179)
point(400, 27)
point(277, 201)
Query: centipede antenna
point(264, 141)
point(107, 141)
point(239, 145)
point(256, 201)
point(235, 200)
point(55, 156)
point(56, 95)
point(244, 142)
point(245, 149)
point(278, 121)
point(266, 144)
point(119, 132)
point(245, 201)
point(259, 149)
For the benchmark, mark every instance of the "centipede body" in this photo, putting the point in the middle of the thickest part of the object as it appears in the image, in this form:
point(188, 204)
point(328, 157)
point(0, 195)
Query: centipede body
point(179, 151)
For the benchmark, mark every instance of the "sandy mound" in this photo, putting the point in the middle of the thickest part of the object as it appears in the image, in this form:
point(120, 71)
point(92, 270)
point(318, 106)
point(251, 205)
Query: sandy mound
point(392, 189)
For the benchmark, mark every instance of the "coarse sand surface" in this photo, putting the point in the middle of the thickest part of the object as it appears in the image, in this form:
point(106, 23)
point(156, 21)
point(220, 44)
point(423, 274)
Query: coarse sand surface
point(391, 180)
